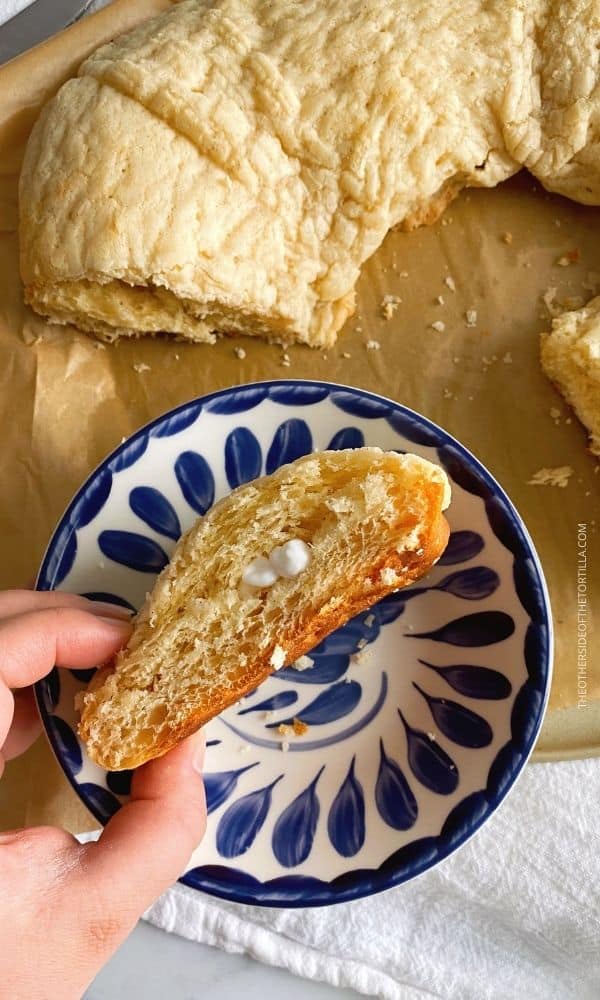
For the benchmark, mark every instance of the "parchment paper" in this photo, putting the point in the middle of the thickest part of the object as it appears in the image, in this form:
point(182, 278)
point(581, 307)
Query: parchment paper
point(65, 402)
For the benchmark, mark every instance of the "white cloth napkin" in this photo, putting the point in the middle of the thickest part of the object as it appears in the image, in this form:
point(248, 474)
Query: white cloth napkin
point(514, 913)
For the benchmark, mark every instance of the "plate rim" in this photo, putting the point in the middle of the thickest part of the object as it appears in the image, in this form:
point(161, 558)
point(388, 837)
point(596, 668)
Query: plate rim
point(287, 891)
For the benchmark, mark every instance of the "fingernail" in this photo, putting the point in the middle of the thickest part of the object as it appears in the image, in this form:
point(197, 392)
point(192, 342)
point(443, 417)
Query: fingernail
point(123, 626)
point(198, 756)
point(103, 609)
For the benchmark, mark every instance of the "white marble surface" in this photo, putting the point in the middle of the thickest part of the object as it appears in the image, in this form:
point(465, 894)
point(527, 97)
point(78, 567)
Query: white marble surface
point(153, 964)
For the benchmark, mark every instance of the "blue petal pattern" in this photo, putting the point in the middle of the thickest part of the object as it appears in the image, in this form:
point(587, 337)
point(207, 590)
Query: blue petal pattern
point(326, 670)
point(458, 722)
point(53, 681)
point(301, 394)
point(346, 820)
point(242, 821)
point(196, 480)
point(272, 704)
point(67, 744)
point(243, 457)
point(474, 681)
point(99, 800)
point(305, 746)
point(348, 437)
point(103, 595)
point(178, 421)
point(237, 400)
point(359, 406)
point(92, 499)
point(394, 799)
point(154, 508)
point(129, 453)
point(292, 440)
point(462, 545)
point(133, 550)
point(62, 557)
point(481, 629)
point(119, 782)
point(334, 703)
point(219, 785)
point(294, 831)
point(472, 584)
point(428, 762)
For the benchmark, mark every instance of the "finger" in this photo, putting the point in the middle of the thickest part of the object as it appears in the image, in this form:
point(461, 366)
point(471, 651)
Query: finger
point(25, 727)
point(16, 602)
point(148, 843)
point(7, 708)
point(32, 643)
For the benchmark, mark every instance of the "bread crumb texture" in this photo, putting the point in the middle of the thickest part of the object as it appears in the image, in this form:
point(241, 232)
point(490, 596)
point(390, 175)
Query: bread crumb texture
point(571, 359)
point(373, 521)
point(229, 166)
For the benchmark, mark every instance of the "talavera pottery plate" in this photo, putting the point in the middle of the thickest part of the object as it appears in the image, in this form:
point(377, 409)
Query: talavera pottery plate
point(421, 712)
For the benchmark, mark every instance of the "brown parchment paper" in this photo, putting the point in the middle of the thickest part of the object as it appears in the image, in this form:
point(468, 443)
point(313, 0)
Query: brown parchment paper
point(65, 402)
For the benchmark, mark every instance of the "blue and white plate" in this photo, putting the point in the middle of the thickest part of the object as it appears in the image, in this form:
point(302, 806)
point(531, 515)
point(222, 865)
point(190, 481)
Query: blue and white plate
point(421, 712)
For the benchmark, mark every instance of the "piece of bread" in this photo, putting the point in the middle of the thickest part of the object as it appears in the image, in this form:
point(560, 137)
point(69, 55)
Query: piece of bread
point(374, 523)
point(229, 166)
point(570, 356)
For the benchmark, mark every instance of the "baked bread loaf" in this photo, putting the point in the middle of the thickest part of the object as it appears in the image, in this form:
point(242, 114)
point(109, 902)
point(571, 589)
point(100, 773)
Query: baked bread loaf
point(571, 359)
point(229, 165)
point(369, 521)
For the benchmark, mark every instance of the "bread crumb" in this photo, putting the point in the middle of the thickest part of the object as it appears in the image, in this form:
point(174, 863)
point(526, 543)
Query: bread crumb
point(239, 353)
point(373, 345)
point(431, 737)
point(440, 300)
point(555, 413)
point(558, 476)
point(99, 346)
point(245, 748)
point(283, 729)
point(140, 367)
point(370, 620)
point(571, 257)
point(404, 274)
point(303, 663)
point(507, 359)
point(471, 317)
point(269, 716)
point(447, 394)
point(438, 326)
point(285, 745)
point(176, 357)
point(389, 304)
point(450, 282)
point(456, 359)
point(507, 238)
point(346, 355)
point(361, 644)
point(388, 576)
point(277, 658)
point(285, 360)
point(300, 727)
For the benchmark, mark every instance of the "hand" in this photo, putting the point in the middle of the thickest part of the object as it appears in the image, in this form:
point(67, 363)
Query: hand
point(64, 906)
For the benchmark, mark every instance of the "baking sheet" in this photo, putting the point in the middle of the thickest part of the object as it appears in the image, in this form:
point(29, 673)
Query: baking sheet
point(65, 401)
